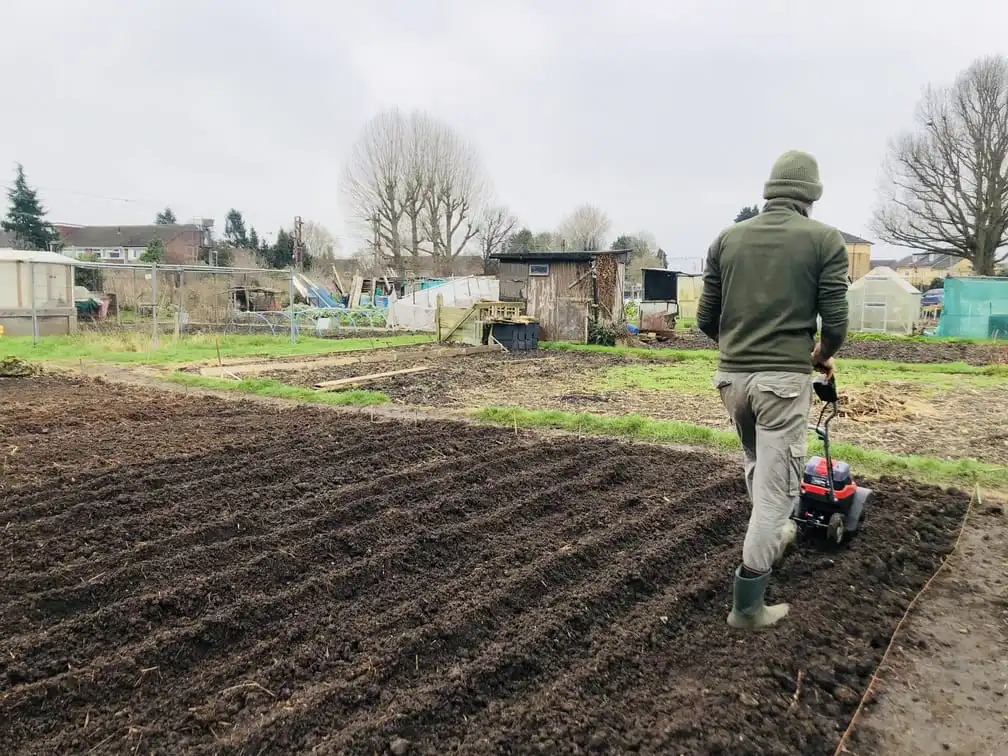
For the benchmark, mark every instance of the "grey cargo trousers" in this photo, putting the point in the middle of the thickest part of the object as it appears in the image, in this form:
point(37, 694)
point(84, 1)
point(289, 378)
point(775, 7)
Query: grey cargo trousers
point(770, 412)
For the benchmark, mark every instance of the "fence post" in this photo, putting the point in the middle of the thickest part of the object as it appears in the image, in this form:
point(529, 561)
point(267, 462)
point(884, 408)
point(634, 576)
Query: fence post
point(181, 309)
point(34, 309)
point(290, 291)
point(437, 315)
point(154, 307)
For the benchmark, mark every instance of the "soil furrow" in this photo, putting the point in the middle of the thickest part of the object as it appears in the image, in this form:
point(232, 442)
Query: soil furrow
point(217, 534)
point(331, 631)
point(536, 596)
point(139, 615)
point(221, 628)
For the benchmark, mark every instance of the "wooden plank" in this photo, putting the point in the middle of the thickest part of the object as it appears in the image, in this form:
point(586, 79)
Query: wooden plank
point(339, 282)
point(344, 382)
point(356, 288)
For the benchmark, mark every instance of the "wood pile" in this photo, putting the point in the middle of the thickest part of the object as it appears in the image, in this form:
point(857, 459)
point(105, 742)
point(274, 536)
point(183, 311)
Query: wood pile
point(605, 278)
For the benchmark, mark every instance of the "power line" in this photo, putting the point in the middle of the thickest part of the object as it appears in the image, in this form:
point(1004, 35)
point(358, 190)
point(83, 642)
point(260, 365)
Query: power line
point(90, 195)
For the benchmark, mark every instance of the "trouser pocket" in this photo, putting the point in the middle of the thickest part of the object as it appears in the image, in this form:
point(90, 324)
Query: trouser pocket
point(796, 458)
point(781, 403)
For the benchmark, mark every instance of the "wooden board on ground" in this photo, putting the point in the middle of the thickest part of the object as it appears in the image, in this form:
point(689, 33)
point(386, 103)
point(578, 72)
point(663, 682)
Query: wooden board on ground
point(357, 380)
point(246, 367)
point(448, 352)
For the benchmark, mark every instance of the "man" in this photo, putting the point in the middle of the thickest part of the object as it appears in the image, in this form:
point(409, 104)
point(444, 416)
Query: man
point(766, 280)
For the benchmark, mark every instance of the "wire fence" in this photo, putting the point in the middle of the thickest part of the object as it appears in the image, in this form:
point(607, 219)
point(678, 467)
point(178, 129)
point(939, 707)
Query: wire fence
point(43, 298)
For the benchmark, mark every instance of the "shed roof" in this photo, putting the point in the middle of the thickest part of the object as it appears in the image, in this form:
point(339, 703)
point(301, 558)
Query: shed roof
point(526, 255)
point(35, 256)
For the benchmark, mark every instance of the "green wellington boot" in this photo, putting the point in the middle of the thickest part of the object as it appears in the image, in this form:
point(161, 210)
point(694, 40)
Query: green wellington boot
point(748, 610)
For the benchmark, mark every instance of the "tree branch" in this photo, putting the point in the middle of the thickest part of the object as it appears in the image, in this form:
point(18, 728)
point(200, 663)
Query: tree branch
point(946, 185)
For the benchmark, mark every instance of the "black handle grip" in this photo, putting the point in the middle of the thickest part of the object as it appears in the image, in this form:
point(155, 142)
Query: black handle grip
point(825, 389)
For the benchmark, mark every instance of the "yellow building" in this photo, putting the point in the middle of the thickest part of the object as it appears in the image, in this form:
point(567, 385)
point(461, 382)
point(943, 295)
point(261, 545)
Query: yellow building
point(858, 256)
point(921, 269)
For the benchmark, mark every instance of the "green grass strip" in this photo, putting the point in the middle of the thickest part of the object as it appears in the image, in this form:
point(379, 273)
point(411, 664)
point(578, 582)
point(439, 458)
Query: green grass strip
point(864, 461)
point(276, 389)
point(710, 356)
point(136, 348)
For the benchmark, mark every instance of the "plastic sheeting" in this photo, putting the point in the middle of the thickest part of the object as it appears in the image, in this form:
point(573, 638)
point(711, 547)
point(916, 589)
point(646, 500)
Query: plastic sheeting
point(883, 302)
point(417, 311)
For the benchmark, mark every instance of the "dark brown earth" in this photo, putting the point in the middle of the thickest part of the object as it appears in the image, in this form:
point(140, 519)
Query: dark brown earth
point(881, 349)
point(357, 587)
point(465, 380)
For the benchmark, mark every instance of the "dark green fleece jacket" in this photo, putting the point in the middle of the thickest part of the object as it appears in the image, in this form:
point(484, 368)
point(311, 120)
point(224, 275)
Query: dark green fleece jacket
point(766, 279)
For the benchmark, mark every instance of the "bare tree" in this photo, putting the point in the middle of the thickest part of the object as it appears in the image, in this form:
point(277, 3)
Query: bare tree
point(649, 240)
point(319, 241)
point(547, 241)
point(414, 186)
point(636, 265)
point(585, 228)
point(495, 226)
point(946, 185)
point(367, 264)
point(373, 182)
point(454, 194)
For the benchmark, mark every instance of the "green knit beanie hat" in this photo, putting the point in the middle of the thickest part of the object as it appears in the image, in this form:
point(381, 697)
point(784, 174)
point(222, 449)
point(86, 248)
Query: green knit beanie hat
point(795, 176)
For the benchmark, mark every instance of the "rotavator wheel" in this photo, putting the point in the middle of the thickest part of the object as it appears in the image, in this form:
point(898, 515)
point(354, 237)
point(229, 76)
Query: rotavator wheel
point(835, 528)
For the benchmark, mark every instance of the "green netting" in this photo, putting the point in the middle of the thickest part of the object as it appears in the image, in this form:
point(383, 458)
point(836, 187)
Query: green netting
point(974, 308)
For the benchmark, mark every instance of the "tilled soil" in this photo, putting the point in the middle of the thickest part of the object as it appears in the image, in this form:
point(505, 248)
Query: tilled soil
point(56, 426)
point(360, 587)
point(930, 423)
point(879, 349)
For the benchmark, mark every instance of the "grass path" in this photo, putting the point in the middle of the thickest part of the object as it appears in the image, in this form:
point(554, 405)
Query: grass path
point(136, 349)
point(678, 370)
point(635, 427)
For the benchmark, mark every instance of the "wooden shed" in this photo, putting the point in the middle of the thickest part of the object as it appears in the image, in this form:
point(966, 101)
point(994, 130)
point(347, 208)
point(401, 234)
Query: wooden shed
point(563, 289)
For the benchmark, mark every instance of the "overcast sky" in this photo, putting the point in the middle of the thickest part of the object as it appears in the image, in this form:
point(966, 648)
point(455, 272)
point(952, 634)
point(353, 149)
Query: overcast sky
point(666, 113)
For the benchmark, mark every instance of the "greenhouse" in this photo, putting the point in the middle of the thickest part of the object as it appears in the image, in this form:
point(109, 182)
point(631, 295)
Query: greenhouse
point(36, 293)
point(883, 302)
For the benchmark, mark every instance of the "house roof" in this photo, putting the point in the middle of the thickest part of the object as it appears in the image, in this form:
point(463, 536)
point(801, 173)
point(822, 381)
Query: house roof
point(122, 236)
point(34, 256)
point(851, 239)
point(558, 255)
point(935, 260)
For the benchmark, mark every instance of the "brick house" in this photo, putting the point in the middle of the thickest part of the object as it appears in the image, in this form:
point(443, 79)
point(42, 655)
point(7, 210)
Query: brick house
point(122, 244)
